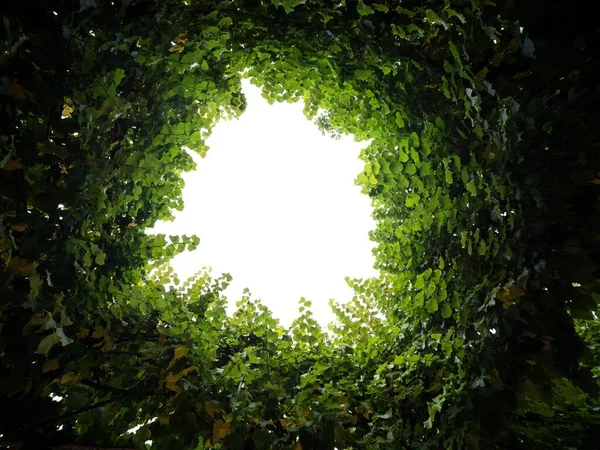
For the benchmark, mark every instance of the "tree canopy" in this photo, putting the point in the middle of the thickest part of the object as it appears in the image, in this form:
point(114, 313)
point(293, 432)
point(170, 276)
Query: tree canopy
point(484, 172)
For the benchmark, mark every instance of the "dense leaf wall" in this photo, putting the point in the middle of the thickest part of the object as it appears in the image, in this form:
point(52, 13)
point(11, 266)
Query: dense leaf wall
point(482, 167)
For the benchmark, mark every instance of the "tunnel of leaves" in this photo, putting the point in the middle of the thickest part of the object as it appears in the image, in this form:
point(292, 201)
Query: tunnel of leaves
point(482, 167)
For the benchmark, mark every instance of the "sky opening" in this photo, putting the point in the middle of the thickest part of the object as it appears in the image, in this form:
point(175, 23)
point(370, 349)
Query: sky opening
point(275, 205)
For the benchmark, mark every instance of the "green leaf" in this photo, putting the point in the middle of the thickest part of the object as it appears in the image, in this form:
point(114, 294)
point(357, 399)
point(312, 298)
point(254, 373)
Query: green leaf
point(362, 74)
point(446, 311)
point(433, 18)
point(87, 258)
point(118, 76)
point(100, 258)
point(471, 188)
point(405, 12)
point(432, 305)
point(415, 156)
point(364, 10)
point(399, 120)
point(449, 179)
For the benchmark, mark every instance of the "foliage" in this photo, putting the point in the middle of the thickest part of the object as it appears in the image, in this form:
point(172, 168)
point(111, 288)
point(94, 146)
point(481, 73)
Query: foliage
point(482, 166)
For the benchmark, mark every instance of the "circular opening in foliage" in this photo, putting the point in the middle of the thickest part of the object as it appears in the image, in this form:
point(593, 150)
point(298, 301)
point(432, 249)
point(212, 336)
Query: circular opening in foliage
point(483, 172)
point(275, 205)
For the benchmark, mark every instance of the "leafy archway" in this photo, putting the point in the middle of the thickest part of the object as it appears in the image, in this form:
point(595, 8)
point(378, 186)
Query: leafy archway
point(482, 169)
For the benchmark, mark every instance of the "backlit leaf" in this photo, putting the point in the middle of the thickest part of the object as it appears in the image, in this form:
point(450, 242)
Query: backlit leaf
point(47, 343)
point(66, 111)
point(221, 430)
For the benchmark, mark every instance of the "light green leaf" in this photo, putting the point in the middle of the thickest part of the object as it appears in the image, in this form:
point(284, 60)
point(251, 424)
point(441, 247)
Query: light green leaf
point(449, 179)
point(64, 340)
point(47, 343)
point(100, 258)
point(471, 188)
point(364, 10)
point(446, 311)
point(399, 120)
point(362, 74)
point(432, 305)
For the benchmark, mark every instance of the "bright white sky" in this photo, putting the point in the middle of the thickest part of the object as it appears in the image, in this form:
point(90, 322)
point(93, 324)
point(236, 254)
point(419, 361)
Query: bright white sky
point(275, 205)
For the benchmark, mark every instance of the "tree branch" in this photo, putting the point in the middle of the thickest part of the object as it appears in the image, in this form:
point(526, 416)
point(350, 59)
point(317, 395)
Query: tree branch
point(82, 410)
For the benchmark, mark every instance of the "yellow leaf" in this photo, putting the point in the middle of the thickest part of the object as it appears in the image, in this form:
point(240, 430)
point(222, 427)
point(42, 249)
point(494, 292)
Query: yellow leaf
point(221, 430)
point(20, 266)
point(171, 364)
point(176, 48)
point(503, 294)
point(20, 227)
point(189, 369)
point(506, 295)
point(70, 378)
point(40, 319)
point(210, 408)
point(180, 352)
point(52, 149)
point(50, 365)
point(66, 111)
point(521, 75)
point(495, 377)
point(99, 332)
point(516, 291)
point(181, 39)
point(173, 378)
point(19, 92)
point(108, 344)
point(177, 390)
point(12, 164)
point(82, 332)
